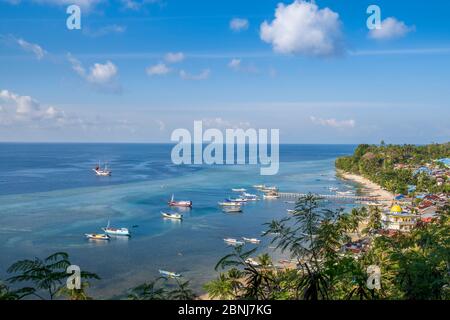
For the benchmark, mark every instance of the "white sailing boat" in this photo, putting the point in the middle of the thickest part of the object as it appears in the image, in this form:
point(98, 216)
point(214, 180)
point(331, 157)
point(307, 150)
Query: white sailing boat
point(103, 172)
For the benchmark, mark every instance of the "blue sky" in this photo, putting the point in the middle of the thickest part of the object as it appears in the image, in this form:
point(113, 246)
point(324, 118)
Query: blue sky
point(313, 70)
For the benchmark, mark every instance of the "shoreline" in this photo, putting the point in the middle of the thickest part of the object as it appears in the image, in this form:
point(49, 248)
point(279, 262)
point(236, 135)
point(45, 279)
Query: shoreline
point(369, 188)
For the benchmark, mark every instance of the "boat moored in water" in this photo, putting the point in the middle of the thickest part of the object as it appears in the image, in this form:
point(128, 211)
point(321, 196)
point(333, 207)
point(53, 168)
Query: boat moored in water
point(116, 231)
point(102, 172)
point(238, 190)
point(94, 236)
point(175, 216)
point(169, 274)
point(232, 209)
point(183, 203)
point(228, 203)
point(233, 242)
point(251, 240)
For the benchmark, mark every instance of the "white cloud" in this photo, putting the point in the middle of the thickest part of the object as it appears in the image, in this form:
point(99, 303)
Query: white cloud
point(86, 5)
point(102, 76)
point(234, 64)
point(333, 122)
point(103, 31)
point(136, 4)
point(174, 57)
point(221, 123)
point(36, 49)
point(391, 28)
point(201, 76)
point(15, 108)
point(303, 28)
point(158, 70)
point(161, 125)
point(238, 24)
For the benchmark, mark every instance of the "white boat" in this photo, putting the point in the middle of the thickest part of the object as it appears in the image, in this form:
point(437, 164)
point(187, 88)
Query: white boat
point(252, 262)
point(238, 200)
point(268, 189)
point(333, 189)
point(229, 204)
point(271, 196)
point(251, 240)
point(116, 231)
point(232, 209)
point(175, 216)
point(250, 196)
point(103, 172)
point(291, 211)
point(95, 236)
point(259, 186)
point(183, 203)
point(169, 274)
point(239, 190)
point(234, 242)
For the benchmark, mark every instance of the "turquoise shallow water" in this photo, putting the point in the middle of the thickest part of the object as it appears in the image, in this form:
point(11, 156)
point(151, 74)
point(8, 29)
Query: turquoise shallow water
point(49, 198)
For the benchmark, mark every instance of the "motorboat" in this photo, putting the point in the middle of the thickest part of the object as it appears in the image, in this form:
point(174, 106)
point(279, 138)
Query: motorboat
point(116, 231)
point(251, 240)
point(232, 209)
point(169, 274)
point(175, 216)
point(238, 190)
point(103, 172)
point(238, 200)
point(233, 242)
point(183, 203)
point(228, 203)
point(271, 196)
point(94, 236)
point(259, 186)
point(291, 211)
point(250, 196)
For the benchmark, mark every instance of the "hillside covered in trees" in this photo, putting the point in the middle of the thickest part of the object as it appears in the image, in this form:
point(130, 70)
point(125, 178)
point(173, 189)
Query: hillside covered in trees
point(397, 167)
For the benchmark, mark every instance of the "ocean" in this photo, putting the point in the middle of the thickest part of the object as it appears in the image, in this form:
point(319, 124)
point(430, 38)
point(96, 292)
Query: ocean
point(50, 197)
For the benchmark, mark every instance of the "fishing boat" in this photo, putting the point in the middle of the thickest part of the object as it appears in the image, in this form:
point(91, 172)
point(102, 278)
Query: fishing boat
point(252, 262)
point(169, 274)
point(184, 203)
point(103, 172)
point(251, 240)
point(250, 196)
point(239, 190)
point(233, 242)
point(228, 203)
point(175, 216)
point(232, 209)
point(94, 236)
point(259, 186)
point(116, 231)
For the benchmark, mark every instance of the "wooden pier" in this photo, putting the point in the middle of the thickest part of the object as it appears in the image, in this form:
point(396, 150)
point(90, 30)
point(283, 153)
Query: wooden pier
point(296, 195)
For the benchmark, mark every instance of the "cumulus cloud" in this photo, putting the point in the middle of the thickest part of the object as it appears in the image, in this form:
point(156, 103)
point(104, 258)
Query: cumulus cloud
point(390, 28)
point(200, 76)
point(103, 31)
point(303, 28)
point(333, 122)
point(174, 57)
point(15, 108)
point(102, 76)
point(238, 24)
point(158, 70)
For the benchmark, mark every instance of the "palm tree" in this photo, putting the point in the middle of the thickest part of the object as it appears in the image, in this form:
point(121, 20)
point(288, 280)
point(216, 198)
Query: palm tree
point(182, 292)
point(75, 294)
point(47, 275)
point(148, 291)
point(220, 288)
point(7, 294)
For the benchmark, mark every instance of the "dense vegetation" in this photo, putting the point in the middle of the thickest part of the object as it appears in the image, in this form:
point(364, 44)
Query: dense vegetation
point(377, 163)
point(413, 266)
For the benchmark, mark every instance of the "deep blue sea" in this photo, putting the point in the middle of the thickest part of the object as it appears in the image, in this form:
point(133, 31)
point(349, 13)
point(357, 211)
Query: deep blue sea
point(50, 197)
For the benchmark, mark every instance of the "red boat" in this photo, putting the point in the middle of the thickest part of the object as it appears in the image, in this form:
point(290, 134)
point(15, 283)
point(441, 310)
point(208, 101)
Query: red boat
point(184, 203)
